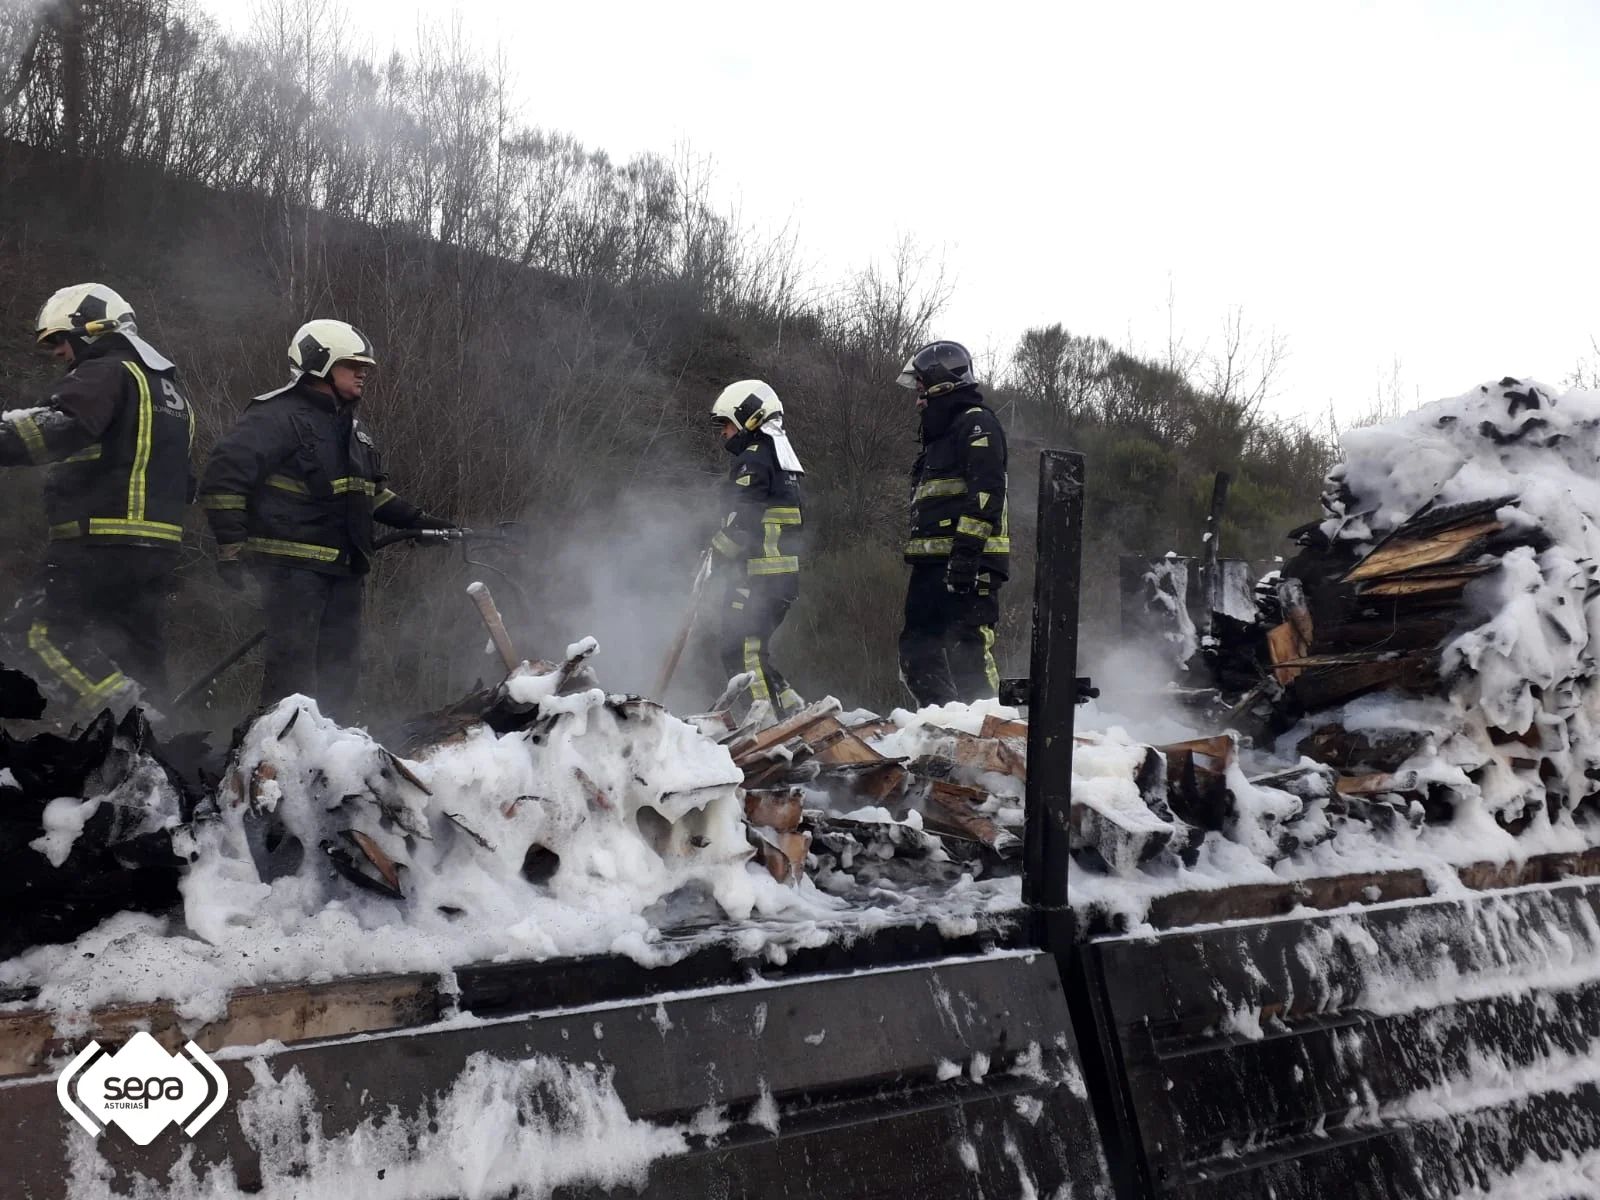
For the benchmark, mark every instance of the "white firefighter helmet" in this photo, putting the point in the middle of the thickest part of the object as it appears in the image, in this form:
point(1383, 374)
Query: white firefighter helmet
point(317, 345)
point(747, 404)
point(87, 310)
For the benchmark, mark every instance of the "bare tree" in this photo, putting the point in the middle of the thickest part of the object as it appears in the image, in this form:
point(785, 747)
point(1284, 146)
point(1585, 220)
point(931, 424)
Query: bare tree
point(1246, 368)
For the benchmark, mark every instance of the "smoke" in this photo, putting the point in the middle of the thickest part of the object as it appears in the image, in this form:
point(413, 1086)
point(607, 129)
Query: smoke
point(1134, 679)
point(624, 577)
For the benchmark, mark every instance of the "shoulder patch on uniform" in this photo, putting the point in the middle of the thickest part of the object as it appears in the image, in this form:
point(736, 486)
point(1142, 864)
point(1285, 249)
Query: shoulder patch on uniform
point(982, 441)
point(744, 480)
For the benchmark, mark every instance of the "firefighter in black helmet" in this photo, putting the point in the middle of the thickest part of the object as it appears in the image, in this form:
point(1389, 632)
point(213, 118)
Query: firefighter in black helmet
point(755, 547)
point(959, 546)
point(291, 491)
point(116, 434)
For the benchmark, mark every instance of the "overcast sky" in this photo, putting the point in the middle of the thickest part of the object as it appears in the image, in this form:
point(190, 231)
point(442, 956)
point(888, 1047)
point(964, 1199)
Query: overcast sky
point(1383, 181)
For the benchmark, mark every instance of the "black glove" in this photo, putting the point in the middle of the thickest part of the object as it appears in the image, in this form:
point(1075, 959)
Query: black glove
point(961, 574)
point(424, 521)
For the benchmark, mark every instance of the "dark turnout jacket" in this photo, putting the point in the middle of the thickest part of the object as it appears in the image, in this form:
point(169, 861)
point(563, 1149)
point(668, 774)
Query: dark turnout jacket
point(116, 436)
point(958, 484)
point(298, 480)
point(760, 528)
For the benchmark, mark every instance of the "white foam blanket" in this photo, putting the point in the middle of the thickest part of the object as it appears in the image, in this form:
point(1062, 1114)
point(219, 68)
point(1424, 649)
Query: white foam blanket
point(1527, 666)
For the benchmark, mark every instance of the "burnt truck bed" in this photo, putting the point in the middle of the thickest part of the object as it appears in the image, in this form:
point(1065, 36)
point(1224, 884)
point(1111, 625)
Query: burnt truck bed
point(939, 1067)
point(1395, 1034)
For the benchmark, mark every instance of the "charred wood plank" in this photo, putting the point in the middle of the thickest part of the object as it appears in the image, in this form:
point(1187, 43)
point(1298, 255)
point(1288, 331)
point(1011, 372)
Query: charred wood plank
point(1407, 553)
point(296, 1013)
point(1414, 633)
point(1285, 644)
point(778, 809)
point(1000, 727)
point(1435, 587)
point(1339, 747)
point(1254, 901)
point(953, 808)
point(796, 726)
point(1332, 680)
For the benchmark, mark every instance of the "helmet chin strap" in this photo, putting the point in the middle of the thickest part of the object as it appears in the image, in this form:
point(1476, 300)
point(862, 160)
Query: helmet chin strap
point(325, 384)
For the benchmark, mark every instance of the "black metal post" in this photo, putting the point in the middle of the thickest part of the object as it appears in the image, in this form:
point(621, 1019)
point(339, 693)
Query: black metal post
point(1053, 679)
point(1211, 572)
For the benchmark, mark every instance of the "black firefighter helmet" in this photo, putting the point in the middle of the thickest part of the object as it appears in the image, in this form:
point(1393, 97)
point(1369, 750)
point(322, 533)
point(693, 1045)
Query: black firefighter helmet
point(937, 368)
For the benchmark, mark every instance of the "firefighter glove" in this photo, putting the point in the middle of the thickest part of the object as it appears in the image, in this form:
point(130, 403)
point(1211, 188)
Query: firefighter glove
point(961, 574)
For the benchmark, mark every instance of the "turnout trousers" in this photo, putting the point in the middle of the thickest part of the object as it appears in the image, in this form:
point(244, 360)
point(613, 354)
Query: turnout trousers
point(751, 613)
point(92, 620)
point(947, 643)
point(313, 645)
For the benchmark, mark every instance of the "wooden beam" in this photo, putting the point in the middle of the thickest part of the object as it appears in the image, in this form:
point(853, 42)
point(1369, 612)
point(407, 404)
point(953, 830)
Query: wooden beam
point(1406, 554)
point(952, 808)
point(1254, 901)
point(777, 809)
point(999, 727)
point(795, 727)
point(284, 1013)
point(1284, 645)
point(1258, 900)
point(1407, 586)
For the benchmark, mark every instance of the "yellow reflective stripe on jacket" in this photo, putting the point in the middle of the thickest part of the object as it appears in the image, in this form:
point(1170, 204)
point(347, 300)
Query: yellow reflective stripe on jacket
point(87, 454)
point(116, 527)
point(1001, 542)
point(292, 549)
point(225, 501)
point(141, 448)
point(285, 484)
point(383, 498)
point(781, 565)
point(940, 547)
point(58, 663)
point(974, 528)
point(773, 521)
point(930, 488)
point(725, 545)
point(64, 530)
point(341, 487)
point(28, 430)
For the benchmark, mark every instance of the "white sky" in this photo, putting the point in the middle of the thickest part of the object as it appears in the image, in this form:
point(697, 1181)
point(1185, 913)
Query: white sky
point(1411, 181)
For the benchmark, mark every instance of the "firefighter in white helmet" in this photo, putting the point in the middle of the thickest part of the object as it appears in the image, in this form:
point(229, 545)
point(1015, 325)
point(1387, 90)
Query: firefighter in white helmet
point(291, 492)
point(755, 549)
point(114, 436)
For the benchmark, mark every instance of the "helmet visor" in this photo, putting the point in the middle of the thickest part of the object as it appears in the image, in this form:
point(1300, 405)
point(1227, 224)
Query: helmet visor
point(908, 375)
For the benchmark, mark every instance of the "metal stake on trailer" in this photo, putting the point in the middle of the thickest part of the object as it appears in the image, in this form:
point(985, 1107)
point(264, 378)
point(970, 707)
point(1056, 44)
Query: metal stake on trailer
point(1053, 687)
point(1051, 695)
